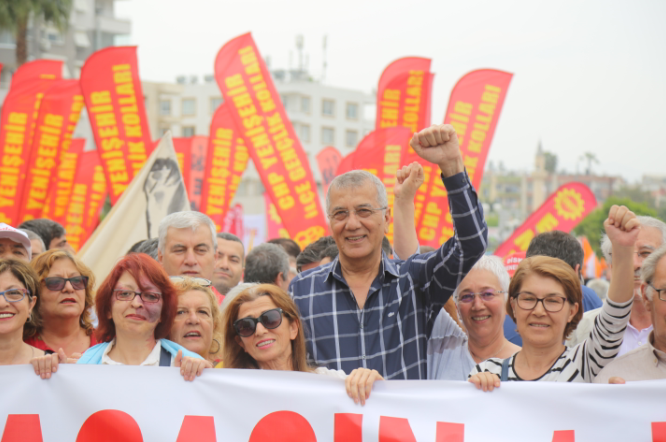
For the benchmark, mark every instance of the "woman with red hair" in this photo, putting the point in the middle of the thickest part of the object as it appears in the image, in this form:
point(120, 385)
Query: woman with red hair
point(136, 306)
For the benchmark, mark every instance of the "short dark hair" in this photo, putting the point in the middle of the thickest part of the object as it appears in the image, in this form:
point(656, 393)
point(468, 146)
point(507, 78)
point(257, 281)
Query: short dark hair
point(45, 228)
point(135, 247)
point(265, 262)
point(331, 252)
point(289, 245)
point(559, 245)
point(386, 247)
point(312, 253)
point(231, 237)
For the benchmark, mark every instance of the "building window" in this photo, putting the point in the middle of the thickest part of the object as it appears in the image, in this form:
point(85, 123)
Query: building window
point(305, 104)
point(351, 138)
point(189, 106)
point(188, 131)
point(165, 107)
point(327, 136)
point(328, 108)
point(285, 101)
point(305, 133)
point(352, 111)
point(215, 102)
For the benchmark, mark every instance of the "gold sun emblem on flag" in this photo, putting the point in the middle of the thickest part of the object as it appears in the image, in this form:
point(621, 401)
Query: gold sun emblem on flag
point(569, 204)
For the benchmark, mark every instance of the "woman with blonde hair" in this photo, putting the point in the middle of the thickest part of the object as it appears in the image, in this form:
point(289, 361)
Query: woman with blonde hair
point(263, 330)
point(198, 323)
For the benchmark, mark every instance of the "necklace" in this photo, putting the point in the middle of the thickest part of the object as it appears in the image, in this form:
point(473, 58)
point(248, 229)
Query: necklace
point(475, 357)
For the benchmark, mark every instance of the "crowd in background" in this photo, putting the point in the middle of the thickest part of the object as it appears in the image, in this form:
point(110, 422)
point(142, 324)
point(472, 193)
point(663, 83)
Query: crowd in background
point(350, 305)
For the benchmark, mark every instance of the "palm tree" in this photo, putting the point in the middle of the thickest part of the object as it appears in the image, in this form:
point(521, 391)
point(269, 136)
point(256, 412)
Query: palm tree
point(14, 15)
point(591, 159)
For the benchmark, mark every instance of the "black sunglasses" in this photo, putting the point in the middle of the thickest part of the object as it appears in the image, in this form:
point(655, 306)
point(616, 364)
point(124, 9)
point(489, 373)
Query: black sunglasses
point(56, 283)
point(270, 319)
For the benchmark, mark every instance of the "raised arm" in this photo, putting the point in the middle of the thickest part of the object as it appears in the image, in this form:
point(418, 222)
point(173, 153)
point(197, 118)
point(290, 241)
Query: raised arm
point(408, 181)
point(622, 228)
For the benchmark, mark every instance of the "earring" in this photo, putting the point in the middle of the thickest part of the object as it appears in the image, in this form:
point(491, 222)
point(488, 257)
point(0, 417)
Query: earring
point(218, 346)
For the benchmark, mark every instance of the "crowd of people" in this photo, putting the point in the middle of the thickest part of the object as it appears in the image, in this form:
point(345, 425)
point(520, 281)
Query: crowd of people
point(349, 305)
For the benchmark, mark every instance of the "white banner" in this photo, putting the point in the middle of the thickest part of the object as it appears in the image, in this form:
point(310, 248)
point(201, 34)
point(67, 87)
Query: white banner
point(133, 404)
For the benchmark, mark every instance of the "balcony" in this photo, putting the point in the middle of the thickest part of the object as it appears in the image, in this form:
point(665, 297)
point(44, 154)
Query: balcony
point(114, 25)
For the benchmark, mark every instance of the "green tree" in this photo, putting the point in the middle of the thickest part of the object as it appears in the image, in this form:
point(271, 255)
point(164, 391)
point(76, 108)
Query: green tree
point(14, 16)
point(593, 225)
point(551, 162)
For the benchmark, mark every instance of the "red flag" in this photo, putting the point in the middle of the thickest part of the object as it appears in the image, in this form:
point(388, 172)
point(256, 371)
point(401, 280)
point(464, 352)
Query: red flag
point(87, 200)
point(563, 210)
point(58, 115)
point(199, 150)
point(512, 261)
point(114, 98)
point(227, 160)
point(474, 109)
point(233, 221)
point(328, 160)
point(183, 148)
point(379, 153)
point(247, 86)
point(19, 112)
point(274, 224)
point(56, 204)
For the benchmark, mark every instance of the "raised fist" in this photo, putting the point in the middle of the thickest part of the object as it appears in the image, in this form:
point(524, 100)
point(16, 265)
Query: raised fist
point(438, 144)
point(408, 180)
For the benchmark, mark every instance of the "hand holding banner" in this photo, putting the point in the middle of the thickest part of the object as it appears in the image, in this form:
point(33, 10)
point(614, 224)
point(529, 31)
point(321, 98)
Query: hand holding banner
point(563, 210)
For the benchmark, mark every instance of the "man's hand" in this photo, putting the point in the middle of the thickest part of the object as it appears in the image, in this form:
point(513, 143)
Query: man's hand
point(622, 227)
point(408, 180)
point(438, 144)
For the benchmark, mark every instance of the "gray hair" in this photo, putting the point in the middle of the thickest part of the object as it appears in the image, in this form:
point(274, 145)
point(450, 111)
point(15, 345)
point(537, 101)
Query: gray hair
point(649, 268)
point(32, 235)
point(233, 293)
point(265, 262)
point(149, 247)
point(494, 265)
point(600, 287)
point(184, 220)
point(646, 221)
point(354, 179)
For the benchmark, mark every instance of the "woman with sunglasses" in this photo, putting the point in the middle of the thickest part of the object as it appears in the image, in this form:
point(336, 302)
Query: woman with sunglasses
point(262, 330)
point(198, 323)
point(480, 301)
point(545, 301)
point(62, 316)
point(136, 305)
point(19, 288)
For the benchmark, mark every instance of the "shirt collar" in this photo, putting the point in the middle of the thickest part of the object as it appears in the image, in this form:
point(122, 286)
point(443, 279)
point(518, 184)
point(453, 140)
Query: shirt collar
point(661, 356)
point(386, 266)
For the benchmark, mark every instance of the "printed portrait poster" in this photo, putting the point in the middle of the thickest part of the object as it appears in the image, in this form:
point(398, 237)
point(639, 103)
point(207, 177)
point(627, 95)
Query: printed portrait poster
point(155, 192)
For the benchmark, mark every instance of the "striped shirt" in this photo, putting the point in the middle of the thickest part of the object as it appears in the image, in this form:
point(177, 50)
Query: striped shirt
point(583, 362)
point(389, 334)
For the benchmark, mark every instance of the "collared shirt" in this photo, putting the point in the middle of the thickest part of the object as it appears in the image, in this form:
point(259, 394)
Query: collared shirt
point(634, 338)
point(641, 364)
point(389, 334)
point(153, 359)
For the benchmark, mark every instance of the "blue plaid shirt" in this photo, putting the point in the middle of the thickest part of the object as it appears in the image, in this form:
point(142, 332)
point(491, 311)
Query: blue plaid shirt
point(390, 333)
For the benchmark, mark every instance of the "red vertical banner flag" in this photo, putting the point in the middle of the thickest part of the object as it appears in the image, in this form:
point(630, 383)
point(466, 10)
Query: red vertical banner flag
point(199, 150)
point(17, 123)
point(275, 228)
point(474, 109)
point(58, 115)
point(563, 210)
point(183, 148)
point(87, 199)
point(114, 99)
point(269, 136)
point(226, 161)
point(56, 204)
point(379, 153)
point(328, 160)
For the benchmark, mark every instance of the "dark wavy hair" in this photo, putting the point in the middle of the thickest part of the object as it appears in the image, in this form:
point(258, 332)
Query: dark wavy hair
point(138, 265)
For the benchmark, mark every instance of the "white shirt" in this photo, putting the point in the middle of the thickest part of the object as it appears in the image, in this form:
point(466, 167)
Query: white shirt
point(153, 359)
point(448, 354)
point(634, 338)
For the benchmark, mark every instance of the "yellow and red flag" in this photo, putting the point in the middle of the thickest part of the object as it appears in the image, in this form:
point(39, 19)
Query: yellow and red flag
point(55, 207)
point(328, 160)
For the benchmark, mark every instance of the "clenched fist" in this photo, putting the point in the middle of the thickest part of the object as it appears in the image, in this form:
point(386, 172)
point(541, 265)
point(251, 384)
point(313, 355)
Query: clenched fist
point(438, 144)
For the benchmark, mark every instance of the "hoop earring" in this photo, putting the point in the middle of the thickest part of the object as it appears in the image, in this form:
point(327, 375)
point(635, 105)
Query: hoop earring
point(218, 346)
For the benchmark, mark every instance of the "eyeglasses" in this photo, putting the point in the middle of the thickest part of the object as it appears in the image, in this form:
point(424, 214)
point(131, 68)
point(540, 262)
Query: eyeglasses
point(662, 296)
point(15, 295)
point(129, 295)
point(552, 304)
point(366, 212)
point(486, 296)
point(270, 319)
point(56, 283)
point(203, 282)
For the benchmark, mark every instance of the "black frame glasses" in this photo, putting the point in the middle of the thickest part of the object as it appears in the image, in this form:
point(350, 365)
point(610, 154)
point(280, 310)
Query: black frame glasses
point(141, 295)
point(659, 291)
point(10, 298)
point(246, 327)
point(549, 307)
point(57, 283)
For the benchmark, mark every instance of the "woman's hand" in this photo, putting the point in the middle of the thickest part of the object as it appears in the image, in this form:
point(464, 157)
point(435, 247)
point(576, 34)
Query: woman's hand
point(190, 367)
point(47, 364)
point(485, 381)
point(616, 380)
point(359, 383)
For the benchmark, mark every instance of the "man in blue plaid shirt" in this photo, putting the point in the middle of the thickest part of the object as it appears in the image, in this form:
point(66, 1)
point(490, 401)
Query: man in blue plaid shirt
point(366, 310)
